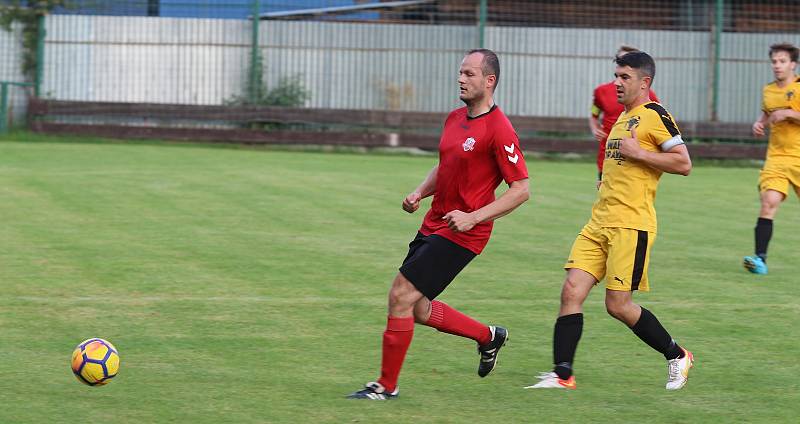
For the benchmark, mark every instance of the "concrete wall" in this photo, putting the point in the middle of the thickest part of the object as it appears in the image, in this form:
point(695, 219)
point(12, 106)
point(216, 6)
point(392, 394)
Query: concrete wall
point(545, 71)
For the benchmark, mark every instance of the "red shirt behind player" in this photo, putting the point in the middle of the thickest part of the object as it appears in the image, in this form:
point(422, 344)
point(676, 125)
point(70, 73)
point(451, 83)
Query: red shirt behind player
point(605, 102)
point(475, 155)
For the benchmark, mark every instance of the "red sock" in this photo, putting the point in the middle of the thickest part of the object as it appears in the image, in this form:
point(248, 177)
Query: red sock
point(396, 340)
point(448, 320)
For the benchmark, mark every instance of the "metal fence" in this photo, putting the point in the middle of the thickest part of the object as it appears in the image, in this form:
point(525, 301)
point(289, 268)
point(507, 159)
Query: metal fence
point(13, 97)
point(402, 55)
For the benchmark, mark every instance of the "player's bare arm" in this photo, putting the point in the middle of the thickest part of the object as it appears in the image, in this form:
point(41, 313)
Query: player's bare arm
point(425, 189)
point(597, 129)
point(758, 126)
point(783, 115)
point(674, 161)
point(518, 192)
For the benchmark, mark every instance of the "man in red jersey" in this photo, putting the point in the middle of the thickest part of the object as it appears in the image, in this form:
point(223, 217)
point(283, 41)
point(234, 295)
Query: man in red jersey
point(478, 150)
point(605, 102)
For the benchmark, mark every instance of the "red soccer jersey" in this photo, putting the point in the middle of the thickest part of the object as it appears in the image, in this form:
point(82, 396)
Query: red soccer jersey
point(605, 102)
point(475, 155)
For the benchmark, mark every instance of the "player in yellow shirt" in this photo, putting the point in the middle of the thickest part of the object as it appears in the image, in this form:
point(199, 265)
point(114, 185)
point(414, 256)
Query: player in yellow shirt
point(615, 243)
point(782, 167)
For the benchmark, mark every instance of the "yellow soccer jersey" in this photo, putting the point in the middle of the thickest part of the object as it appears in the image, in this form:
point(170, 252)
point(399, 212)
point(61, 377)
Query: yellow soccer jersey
point(627, 195)
point(784, 136)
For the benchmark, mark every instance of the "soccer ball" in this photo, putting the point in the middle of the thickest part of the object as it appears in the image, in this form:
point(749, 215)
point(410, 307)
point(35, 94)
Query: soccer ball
point(95, 362)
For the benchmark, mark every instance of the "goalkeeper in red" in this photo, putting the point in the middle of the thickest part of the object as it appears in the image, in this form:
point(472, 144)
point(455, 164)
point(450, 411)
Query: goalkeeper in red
point(478, 150)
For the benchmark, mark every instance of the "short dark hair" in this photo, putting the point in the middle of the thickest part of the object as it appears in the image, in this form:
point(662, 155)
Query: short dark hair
point(640, 61)
point(490, 65)
point(785, 47)
point(625, 49)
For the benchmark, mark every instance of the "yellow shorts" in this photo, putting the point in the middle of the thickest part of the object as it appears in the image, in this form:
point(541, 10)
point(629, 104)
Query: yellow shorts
point(622, 254)
point(778, 175)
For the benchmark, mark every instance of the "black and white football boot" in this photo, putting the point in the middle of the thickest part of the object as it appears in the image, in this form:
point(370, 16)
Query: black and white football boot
point(490, 350)
point(374, 391)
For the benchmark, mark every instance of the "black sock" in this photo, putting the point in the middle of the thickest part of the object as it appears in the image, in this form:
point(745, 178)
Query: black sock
point(653, 333)
point(566, 335)
point(763, 235)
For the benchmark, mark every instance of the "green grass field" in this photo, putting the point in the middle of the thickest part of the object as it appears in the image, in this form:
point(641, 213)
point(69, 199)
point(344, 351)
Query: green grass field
point(246, 286)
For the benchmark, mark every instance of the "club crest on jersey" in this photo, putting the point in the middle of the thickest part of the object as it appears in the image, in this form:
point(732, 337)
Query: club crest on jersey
point(469, 144)
point(633, 122)
point(789, 95)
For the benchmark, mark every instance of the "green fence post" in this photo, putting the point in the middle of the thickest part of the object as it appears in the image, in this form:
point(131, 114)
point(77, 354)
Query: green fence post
point(3, 107)
point(255, 55)
point(482, 11)
point(718, 24)
point(37, 88)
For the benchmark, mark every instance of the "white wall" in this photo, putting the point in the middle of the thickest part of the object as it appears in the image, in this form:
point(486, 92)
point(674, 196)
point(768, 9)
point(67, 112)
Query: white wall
point(136, 59)
point(544, 71)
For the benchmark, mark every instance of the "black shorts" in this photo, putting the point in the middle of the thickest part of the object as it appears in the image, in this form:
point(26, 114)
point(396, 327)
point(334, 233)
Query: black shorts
point(433, 262)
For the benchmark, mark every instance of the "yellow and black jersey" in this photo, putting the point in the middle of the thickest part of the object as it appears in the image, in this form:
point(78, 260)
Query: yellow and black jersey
point(784, 136)
point(628, 192)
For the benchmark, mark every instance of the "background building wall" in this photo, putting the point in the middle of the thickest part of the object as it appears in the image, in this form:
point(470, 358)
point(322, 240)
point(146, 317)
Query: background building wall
point(544, 71)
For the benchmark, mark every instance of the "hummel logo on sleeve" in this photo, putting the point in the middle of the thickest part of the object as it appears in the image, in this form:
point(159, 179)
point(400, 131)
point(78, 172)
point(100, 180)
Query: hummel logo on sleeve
point(510, 150)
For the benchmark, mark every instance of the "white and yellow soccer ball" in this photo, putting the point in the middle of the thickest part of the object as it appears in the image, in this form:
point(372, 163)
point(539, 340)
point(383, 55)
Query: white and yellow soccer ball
point(95, 362)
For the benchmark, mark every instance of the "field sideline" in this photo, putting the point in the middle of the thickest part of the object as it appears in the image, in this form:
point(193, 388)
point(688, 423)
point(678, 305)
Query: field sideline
point(248, 286)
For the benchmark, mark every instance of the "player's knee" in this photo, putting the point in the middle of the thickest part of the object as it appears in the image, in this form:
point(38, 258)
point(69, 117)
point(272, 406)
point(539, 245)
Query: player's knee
point(771, 200)
point(402, 296)
point(768, 212)
point(422, 312)
point(617, 308)
point(399, 298)
point(614, 310)
point(571, 293)
point(769, 205)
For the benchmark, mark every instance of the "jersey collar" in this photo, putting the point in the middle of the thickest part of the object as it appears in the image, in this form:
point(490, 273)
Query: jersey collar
point(494, 106)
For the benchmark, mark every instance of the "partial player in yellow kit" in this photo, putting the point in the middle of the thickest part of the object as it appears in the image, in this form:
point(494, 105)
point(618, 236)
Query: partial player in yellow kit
point(615, 243)
point(780, 111)
point(625, 211)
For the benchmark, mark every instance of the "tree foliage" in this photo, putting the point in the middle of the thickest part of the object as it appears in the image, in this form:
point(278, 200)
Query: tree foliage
point(288, 92)
point(27, 13)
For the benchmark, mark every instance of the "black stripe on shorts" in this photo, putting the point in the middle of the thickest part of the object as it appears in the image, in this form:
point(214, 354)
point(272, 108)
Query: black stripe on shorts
point(638, 261)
